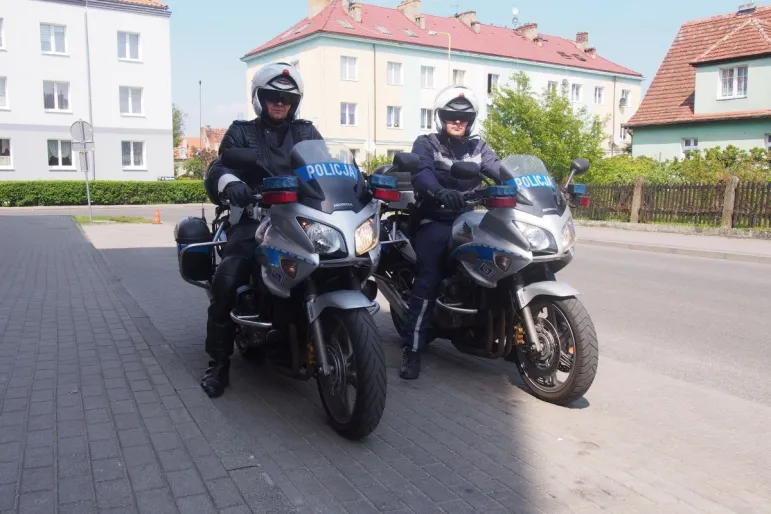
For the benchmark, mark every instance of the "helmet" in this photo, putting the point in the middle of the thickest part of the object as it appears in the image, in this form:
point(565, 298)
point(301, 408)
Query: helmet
point(453, 103)
point(277, 80)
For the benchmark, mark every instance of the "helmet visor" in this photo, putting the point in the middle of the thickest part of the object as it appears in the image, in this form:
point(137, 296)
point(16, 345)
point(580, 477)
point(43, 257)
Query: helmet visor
point(284, 97)
point(447, 116)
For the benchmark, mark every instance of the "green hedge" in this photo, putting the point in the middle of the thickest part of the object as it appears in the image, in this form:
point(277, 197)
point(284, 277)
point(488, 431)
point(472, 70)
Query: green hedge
point(73, 192)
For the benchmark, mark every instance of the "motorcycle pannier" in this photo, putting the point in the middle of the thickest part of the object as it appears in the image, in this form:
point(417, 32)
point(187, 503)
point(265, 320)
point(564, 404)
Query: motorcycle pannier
point(196, 263)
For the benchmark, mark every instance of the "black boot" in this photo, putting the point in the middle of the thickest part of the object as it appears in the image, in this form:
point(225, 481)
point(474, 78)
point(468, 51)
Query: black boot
point(216, 378)
point(410, 365)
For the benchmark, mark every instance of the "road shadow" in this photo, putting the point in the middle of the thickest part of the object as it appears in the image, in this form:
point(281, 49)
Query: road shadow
point(458, 438)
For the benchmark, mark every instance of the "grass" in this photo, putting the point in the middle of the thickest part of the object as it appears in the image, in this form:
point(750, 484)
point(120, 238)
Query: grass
point(83, 220)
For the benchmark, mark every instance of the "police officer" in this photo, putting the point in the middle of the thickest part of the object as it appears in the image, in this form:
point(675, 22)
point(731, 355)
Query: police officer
point(455, 113)
point(277, 90)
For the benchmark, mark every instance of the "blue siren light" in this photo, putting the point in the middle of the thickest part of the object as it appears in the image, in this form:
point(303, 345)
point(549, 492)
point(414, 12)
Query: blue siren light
point(383, 181)
point(280, 183)
point(500, 191)
point(578, 189)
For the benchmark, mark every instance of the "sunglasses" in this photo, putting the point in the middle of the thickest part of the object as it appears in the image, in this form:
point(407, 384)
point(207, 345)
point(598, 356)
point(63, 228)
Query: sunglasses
point(280, 97)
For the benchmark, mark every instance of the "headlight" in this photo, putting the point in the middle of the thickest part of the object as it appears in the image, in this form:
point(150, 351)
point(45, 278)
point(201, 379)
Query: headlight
point(538, 238)
point(365, 237)
point(568, 235)
point(325, 239)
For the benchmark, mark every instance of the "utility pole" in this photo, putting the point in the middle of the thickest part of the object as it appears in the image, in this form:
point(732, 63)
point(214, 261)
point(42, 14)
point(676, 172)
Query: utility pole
point(200, 110)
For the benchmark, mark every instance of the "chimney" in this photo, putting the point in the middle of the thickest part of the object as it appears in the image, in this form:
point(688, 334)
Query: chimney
point(355, 11)
point(410, 8)
point(582, 40)
point(528, 30)
point(591, 52)
point(420, 21)
point(468, 18)
point(316, 6)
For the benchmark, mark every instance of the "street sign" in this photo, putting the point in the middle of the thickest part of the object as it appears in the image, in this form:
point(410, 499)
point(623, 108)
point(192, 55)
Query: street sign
point(82, 132)
point(83, 147)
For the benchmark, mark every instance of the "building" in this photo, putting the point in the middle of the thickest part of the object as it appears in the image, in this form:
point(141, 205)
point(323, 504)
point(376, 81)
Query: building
point(108, 63)
point(372, 73)
point(212, 137)
point(186, 149)
point(712, 90)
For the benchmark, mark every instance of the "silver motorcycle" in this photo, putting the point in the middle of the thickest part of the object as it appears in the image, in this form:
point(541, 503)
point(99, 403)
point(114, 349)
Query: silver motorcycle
point(501, 298)
point(308, 309)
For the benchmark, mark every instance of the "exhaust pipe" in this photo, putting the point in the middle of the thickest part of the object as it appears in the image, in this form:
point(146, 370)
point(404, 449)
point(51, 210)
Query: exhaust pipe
point(391, 293)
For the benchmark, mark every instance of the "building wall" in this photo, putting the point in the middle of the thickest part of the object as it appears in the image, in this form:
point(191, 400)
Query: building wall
point(29, 126)
point(708, 88)
point(666, 142)
point(319, 59)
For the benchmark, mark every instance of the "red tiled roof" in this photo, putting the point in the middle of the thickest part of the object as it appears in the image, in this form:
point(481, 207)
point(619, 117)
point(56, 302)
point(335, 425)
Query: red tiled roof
point(491, 40)
point(215, 135)
point(670, 97)
point(144, 3)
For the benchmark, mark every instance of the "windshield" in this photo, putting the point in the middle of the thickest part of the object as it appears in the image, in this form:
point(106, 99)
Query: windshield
point(538, 193)
point(329, 177)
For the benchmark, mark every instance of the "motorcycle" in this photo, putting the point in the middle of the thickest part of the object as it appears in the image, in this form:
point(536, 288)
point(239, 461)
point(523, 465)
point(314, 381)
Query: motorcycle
point(501, 298)
point(309, 305)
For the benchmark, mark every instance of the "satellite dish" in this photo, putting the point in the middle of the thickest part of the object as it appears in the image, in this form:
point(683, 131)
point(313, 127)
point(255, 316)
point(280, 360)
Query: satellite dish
point(565, 82)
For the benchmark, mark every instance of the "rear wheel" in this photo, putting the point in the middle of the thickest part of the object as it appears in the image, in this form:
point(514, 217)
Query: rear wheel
point(354, 393)
point(563, 370)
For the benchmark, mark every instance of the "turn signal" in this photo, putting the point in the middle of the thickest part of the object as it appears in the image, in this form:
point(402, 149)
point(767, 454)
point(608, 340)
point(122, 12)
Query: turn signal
point(290, 267)
point(585, 201)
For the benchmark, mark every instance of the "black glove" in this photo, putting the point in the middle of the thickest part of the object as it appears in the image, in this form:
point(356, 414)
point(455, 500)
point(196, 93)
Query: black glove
point(451, 199)
point(238, 194)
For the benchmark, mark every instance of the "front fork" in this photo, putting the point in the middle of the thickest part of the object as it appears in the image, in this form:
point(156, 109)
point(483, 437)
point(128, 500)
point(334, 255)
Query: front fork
point(317, 333)
point(527, 316)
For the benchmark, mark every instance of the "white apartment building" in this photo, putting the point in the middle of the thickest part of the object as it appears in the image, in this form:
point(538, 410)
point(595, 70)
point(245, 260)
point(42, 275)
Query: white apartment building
point(107, 62)
point(371, 73)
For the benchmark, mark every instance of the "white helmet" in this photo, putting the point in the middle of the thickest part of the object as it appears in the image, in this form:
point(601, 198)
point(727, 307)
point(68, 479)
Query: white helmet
point(455, 103)
point(277, 81)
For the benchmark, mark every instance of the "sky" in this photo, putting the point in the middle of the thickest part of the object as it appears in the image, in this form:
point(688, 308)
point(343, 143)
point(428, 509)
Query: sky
point(209, 38)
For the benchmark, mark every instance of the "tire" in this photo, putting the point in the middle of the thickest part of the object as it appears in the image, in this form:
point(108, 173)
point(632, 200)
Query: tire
point(586, 353)
point(369, 363)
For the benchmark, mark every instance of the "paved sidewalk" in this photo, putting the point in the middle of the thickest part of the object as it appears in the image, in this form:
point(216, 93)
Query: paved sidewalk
point(96, 411)
point(748, 250)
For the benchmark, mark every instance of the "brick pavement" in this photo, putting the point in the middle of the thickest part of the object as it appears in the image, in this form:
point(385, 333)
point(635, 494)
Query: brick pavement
point(464, 438)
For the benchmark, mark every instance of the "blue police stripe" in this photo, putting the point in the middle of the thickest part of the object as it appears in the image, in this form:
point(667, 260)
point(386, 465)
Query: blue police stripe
point(327, 170)
point(531, 181)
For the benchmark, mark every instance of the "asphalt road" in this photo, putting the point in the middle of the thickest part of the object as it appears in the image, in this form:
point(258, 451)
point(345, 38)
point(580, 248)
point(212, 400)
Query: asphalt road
point(701, 320)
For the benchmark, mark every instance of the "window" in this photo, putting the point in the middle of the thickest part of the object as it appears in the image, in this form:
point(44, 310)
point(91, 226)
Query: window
point(624, 132)
point(575, 92)
point(3, 93)
point(128, 46)
point(394, 73)
point(131, 100)
point(300, 29)
point(347, 114)
point(733, 82)
point(459, 77)
point(392, 153)
point(345, 24)
point(347, 68)
point(768, 143)
point(552, 86)
point(599, 95)
point(59, 153)
point(133, 154)
point(394, 117)
point(2, 34)
point(690, 144)
point(382, 29)
point(355, 154)
point(410, 33)
point(5, 153)
point(427, 77)
point(426, 119)
point(56, 96)
point(492, 82)
point(53, 39)
point(625, 97)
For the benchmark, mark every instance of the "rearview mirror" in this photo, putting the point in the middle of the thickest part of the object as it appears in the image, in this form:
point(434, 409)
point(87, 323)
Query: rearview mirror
point(465, 170)
point(579, 166)
point(407, 161)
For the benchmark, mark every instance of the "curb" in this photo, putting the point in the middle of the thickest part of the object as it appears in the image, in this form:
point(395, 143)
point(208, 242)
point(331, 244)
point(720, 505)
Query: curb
point(675, 250)
point(733, 233)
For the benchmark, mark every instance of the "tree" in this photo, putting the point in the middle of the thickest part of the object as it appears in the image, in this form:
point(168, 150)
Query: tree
point(374, 162)
point(546, 125)
point(178, 119)
point(196, 166)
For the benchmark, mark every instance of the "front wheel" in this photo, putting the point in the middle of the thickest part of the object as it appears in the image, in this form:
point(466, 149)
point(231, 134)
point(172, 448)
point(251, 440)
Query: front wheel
point(563, 370)
point(354, 393)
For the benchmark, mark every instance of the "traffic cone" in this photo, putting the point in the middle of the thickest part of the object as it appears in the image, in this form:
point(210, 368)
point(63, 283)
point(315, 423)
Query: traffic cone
point(157, 220)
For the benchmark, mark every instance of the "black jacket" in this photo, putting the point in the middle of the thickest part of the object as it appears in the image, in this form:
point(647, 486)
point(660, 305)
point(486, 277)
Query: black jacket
point(267, 143)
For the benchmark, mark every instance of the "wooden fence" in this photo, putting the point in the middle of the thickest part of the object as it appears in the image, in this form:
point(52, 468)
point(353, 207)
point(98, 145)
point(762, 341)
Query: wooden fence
point(727, 205)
